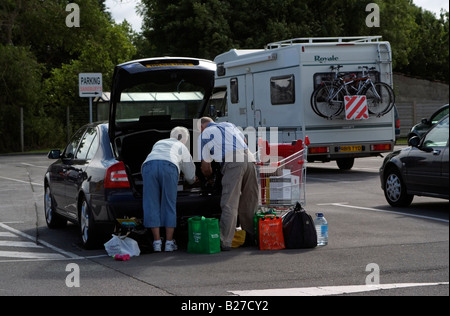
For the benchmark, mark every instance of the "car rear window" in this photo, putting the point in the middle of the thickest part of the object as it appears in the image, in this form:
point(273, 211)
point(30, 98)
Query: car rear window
point(178, 99)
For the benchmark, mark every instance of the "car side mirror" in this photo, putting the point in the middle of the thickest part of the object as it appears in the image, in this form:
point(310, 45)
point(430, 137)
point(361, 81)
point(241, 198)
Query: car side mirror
point(425, 121)
point(54, 154)
point(414, 141)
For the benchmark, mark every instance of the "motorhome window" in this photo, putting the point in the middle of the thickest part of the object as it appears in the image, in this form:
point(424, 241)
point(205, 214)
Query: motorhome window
point(282, 90)
point(234, 89)
point(178, 99)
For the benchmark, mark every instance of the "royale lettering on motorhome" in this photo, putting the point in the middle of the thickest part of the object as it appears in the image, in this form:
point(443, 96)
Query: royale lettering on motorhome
point(321, 59)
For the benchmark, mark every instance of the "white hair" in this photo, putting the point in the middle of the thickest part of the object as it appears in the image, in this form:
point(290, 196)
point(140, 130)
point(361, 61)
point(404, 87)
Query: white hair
point(180, 133)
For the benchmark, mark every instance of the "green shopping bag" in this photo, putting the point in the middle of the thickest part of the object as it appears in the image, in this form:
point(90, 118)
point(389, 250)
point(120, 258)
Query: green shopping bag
point(204, 235)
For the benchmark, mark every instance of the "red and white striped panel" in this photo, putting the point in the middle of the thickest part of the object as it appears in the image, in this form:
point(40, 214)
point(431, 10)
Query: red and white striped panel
point(356, 107)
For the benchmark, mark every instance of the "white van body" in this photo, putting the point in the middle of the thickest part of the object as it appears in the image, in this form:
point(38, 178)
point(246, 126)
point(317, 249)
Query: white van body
point(272, 88)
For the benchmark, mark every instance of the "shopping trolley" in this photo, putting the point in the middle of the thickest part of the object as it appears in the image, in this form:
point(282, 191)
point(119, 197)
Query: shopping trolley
point(281, 176)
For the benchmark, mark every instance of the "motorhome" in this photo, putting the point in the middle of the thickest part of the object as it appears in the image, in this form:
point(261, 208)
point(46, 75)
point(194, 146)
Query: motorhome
point(272, 88)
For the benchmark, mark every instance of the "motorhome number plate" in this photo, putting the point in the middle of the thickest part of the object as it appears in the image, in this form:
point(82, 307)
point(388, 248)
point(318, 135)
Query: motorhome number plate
point(352, 148)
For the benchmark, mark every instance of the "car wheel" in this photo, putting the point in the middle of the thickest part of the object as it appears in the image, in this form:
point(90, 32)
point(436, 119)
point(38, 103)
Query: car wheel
point(52, 219)
point(395, 190)
point(345, 163)
point(87, 225)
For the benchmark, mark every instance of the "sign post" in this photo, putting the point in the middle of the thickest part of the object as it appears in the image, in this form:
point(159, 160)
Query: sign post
point(90, 86)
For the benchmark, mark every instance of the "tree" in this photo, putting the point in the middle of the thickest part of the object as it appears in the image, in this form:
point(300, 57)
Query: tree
point(100, 53)
point(40, 58)
point(186, 27)
point(205, 29)
point(430, 58)
point(20, 85)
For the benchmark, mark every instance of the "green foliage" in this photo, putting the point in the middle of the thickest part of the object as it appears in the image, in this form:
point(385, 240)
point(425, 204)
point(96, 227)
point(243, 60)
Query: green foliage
point(205, 29)
point(40, 59)
point(19, 87)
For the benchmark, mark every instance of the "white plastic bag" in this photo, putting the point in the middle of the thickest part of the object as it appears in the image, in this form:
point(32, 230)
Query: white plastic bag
point(122, 245)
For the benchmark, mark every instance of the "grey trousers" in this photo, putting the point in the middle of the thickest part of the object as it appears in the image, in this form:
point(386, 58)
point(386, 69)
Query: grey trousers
point(239, 198)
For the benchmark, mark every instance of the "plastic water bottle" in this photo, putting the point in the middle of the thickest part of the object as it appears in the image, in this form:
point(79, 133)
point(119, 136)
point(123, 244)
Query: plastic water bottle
point(321, 225)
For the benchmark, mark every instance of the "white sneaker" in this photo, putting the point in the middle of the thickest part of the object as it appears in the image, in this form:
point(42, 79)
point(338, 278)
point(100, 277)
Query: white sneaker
point(171, 246)
point(157, 245)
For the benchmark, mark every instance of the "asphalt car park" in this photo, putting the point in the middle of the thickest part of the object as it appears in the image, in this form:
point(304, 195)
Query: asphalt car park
point(409, 245)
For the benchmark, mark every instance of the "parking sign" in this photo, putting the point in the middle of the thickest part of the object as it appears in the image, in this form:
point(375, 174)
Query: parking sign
point(90, 84)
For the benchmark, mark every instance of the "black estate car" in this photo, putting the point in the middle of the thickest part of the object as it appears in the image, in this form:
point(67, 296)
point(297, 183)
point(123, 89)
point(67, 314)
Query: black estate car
point(420, 169)
point(97, 178)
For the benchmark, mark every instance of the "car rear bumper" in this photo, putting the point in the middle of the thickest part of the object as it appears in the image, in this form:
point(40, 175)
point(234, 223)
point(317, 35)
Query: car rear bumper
point(124, 204)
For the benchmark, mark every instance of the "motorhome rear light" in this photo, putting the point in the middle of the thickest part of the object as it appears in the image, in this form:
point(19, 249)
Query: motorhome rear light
point(380, 147)
point(116, 176)
point(318, 150)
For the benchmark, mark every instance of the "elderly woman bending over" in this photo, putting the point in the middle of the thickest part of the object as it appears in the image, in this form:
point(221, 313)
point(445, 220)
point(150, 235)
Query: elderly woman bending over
point(160, 172)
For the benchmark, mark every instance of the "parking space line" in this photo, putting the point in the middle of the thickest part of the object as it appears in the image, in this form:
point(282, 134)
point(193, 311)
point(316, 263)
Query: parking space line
point(22, 181)
point(7, 234)
point(331, 290)
point(19, 244)
point(31, 255)
point(345, 204)
point(34, 166)
point(43, 243)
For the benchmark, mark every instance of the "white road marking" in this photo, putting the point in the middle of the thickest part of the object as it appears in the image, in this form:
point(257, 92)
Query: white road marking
point(62, 253)
point(20, 244)
point(35, 166)
point(331, 290)
point(345, 204)
point(22, 181)
point(31, 255)
point(6, 234)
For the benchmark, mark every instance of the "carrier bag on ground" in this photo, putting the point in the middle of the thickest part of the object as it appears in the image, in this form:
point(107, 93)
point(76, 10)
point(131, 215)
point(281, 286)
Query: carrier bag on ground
point(299, 230)
point(204, 235)
point(271, 233)
point(122, 245)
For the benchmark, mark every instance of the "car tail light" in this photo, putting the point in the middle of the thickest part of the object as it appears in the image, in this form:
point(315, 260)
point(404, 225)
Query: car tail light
point(318, 150)
point(116, 176)
point(397, 123)
point(381, 147)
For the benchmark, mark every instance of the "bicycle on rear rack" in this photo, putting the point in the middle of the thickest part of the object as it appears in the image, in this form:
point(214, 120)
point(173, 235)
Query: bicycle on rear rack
point(327, 100)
